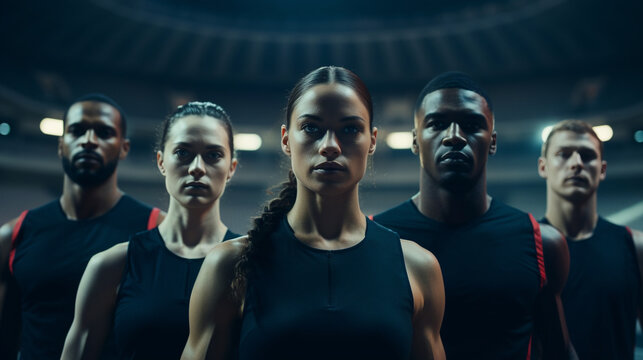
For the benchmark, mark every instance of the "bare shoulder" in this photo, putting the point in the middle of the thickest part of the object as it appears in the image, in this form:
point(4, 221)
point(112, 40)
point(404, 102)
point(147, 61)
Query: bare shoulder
point(553, 240)
point(225, 255)
point(637, 236)
point(6, 232)
point(419, 260)
point(107, 266)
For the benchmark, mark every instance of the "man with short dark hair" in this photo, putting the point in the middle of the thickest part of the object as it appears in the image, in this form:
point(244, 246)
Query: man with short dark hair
point(503, 273)
point(602, 295)
point(47, 249)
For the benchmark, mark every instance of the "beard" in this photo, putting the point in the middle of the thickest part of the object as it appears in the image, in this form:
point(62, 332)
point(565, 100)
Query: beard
point(89, 177)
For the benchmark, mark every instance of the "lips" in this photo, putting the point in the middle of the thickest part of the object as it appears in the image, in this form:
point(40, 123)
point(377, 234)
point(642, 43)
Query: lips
point(196, 185)
point(455, 156)
point(329, 166)
point(578, 179)
point(87, 156)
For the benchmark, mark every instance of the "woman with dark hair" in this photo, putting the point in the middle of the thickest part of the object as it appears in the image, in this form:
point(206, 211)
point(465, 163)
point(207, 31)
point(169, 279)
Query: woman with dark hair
point(314, 278)
point(139, 291)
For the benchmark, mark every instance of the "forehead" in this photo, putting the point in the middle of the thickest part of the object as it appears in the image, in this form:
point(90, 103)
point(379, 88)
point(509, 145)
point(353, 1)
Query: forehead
point(331, 99)
point(93, 111)
point(570, 139)
point(198, 129)
point(454, 100)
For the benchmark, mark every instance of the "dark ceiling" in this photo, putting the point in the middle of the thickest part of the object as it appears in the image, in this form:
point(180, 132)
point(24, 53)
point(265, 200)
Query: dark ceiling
point(268, 43)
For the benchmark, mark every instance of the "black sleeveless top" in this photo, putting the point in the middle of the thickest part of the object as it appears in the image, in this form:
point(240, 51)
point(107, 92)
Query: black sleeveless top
point(307, 303)
point(51, 253)
point(602, 292)
point(493, 271)
point(151, 315)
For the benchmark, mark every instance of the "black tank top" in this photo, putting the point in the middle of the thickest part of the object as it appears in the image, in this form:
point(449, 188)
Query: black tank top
point(307, 303)
point(51, 253)
point(493, 271)
point(151, 315)
point(602, 292)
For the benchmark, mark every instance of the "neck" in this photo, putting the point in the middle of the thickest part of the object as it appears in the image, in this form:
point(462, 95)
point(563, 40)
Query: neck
point(452, 207)
point(335, 217)
point(192, 227)
point(574, 220)
point(85, 203)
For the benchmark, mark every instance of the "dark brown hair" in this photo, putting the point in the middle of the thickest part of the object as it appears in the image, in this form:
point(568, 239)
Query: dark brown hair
point(264, 224)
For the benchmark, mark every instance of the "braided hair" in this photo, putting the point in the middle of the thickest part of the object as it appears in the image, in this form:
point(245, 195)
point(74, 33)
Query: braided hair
point(266, 223)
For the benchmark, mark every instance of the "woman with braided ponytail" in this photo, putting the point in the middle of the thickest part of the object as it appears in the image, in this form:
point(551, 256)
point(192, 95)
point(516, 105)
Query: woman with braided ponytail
point(139, 291)
point(314, 278)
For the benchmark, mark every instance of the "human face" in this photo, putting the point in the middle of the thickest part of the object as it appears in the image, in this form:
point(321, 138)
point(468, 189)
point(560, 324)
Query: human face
point(92, 143)
point(572, 165)
point(329, 139)
point(196, 160)
point(454, 136)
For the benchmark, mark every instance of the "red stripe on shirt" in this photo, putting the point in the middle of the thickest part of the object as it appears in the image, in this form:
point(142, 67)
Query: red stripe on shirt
point(14, 237)
point(538, 239)
point(154, 215)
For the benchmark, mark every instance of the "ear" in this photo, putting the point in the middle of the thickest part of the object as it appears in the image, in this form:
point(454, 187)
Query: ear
point(603, 173)
point(124, 149)
point(160, 163)
point(285, 144)
point(542, 167)
point(233, 168)
point(371, 149)
point(414, 145)
point(493, 146)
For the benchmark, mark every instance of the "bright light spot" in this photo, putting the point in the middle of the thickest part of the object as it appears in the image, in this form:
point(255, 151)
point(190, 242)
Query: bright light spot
point(5, 129)
point(604, 132)
point(638, 136)
point(546, 132)
point(51, 126)
point(247, 142)
point(400, 140)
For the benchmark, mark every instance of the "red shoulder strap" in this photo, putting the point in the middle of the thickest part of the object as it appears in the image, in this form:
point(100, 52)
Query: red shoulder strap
point(629, 231)
point(14, 237)
point(370, 217)
point(538, 239)
point(154, 215)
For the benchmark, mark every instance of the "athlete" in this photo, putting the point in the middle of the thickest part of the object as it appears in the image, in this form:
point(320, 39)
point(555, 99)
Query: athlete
point(602, 295)
point(503, 273)
point(143, 288)
point(314, 279)
point(46, 249)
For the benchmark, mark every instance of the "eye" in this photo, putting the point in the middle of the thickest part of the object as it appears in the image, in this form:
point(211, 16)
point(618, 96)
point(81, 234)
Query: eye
point(437, 124)
point(76, 130)
point(182, 154)
point(105, 132)
point(352, 129)
point(587, 155)
point(311, 129)
point(470, 126)
point(213, 156)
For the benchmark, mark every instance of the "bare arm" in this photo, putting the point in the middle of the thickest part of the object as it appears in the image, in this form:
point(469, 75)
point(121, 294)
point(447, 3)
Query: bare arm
point(95, 303)
point(637, 238)
point(214, 313)
point(551, 327)
point(427, 286)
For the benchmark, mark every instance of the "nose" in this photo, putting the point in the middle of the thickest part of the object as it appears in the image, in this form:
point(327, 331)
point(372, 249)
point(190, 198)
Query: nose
point(90, 140)
point(330, 145)
point(197, 167)
point(576, 161)
point(453, 136)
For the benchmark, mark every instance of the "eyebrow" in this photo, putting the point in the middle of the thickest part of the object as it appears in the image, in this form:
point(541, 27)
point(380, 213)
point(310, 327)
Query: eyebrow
point(471, 114)
point(318, 118)
point(579, 148)
point(187, 144)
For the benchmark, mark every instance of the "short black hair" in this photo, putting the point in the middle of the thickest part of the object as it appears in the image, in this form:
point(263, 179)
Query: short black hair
point(452, 80)
point(101, 98)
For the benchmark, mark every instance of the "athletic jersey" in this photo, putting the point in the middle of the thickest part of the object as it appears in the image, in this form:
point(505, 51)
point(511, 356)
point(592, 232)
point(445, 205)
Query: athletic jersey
point(493, 271)
point(151, 315)
point(49, 256)
point(307, 303)
point(602, 293)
